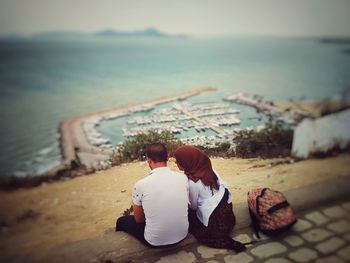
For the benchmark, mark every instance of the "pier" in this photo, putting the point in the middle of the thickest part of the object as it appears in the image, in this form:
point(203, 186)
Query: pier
point(290, 116)
point(199, 120)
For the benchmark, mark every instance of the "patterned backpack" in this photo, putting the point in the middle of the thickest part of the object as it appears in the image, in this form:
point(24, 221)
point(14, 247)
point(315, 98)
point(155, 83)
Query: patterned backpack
point(270, 211)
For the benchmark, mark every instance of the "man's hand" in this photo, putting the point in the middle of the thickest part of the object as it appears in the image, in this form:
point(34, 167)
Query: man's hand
point(138, 213)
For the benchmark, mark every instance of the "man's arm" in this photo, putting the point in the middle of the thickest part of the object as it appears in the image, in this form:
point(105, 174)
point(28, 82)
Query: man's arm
point(193, 194)
point(139, 215)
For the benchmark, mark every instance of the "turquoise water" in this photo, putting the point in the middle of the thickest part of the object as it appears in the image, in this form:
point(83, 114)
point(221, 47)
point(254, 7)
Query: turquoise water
point(43, 82)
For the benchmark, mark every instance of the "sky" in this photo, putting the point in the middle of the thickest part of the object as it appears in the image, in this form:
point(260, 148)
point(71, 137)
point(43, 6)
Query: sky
point(191, 17)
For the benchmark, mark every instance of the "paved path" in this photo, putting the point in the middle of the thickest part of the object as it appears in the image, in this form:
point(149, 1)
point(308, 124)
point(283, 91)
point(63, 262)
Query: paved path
point(322, 234)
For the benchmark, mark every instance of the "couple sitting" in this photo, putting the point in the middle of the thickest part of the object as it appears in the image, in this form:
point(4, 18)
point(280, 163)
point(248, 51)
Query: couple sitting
point(161, 201)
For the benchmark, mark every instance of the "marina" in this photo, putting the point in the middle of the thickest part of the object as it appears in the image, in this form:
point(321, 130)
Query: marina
point(181, 117)
point(203, 124)
point(80, 139)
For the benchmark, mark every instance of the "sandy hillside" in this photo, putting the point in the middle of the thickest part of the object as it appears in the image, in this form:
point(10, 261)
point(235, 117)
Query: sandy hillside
point(86, 207)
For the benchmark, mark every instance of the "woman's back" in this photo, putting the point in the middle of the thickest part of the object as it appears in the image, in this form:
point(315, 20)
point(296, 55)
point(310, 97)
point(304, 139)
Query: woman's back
point(204, 199)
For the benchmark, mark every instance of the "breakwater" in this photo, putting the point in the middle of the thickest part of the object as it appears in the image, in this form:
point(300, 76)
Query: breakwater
point(290, 116)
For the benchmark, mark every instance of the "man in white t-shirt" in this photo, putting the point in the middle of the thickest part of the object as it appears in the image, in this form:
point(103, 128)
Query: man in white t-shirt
point(160, 203)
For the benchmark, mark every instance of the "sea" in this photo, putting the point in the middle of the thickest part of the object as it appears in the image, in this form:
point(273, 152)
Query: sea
point(44, 81)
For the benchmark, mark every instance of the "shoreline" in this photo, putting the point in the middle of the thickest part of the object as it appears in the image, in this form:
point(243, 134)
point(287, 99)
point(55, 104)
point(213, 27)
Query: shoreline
point(73, 139)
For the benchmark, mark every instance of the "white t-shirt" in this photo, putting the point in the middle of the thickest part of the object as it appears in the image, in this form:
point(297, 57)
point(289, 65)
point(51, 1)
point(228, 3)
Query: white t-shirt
point(204, 200)
point(163, 194)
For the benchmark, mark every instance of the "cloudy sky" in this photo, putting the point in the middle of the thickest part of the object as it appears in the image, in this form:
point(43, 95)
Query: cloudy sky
point(193, 17)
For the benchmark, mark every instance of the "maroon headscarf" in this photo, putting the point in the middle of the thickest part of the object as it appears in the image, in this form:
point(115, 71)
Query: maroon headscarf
point(196, 165)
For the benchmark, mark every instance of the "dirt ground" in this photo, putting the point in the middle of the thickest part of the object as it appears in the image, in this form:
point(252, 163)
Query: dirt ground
point(85, 207)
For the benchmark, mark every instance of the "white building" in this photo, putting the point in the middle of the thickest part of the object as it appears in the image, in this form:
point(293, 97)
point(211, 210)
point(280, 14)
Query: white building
point(322, 134)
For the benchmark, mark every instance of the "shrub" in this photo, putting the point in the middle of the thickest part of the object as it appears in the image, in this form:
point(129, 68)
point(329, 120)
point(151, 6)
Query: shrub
point(135, 148)
point(272, 141)
point(220, 149)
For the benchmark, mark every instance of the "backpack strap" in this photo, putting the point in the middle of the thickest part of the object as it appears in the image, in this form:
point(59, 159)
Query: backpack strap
point(255, 223)
point(257, 200)
point(278, 207)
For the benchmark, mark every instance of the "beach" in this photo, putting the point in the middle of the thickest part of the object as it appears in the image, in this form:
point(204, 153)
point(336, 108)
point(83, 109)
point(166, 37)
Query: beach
point(59, 213)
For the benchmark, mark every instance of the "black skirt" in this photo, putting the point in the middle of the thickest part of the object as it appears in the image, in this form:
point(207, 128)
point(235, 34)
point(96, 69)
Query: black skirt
point(221, 223)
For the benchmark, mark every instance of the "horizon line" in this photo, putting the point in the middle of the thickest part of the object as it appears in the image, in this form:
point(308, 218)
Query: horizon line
point(165, 34)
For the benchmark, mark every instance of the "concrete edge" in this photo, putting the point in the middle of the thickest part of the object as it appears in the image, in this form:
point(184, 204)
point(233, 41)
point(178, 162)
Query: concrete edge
point(123, 248)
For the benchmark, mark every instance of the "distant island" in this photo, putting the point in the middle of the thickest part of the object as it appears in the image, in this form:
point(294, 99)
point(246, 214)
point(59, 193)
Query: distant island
point(336, 40)
point(342, 41)
point(148, 32)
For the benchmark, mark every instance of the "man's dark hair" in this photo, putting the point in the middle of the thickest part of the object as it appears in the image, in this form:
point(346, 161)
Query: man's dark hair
point(157, 152)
